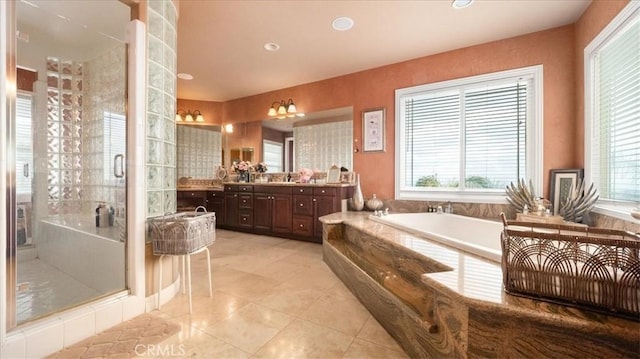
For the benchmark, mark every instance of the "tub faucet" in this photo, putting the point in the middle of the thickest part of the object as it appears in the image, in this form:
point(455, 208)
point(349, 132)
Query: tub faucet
point(449, 208)
point(439, 210)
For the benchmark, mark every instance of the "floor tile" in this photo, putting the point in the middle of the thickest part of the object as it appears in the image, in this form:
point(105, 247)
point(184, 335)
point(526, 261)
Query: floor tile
point(360, 349)
point(344, 314)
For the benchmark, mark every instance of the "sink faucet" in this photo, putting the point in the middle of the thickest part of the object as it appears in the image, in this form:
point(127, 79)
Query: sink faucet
point(449, 207)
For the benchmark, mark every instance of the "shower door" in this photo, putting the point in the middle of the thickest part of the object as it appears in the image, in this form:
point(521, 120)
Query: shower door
point(68, 139)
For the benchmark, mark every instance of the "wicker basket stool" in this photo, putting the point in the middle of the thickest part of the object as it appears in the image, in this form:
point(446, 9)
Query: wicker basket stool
point(184, 234)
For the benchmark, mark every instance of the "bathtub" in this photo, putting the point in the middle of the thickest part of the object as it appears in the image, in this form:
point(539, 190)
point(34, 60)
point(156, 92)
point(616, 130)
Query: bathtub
point(473, 235)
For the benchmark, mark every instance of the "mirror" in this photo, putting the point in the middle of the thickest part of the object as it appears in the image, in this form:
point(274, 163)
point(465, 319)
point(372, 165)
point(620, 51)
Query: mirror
point(241, 154)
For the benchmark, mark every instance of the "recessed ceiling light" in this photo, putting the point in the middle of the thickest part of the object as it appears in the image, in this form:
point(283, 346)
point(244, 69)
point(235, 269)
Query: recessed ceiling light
point(271, 46)
point(185, 76)
point(460, 4)
point(342, 23)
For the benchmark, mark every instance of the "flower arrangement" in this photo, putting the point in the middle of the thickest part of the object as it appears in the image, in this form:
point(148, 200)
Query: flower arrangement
point(260, 167)
point(241, 166)
point(305, 174)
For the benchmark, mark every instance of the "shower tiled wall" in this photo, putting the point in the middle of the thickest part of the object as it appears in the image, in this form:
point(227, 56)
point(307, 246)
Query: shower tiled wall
point(199, 152)
point(161, 108)
point(64, 126)
point(333, 138)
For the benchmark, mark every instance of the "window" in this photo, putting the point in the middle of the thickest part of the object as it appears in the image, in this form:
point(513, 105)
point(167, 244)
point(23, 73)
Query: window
point(469, 138)
point(272, 155)
point(24, 144)
point(612, 110)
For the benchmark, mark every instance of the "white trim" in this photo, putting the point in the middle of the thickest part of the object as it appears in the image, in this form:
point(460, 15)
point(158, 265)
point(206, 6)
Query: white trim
point(535, 147)
point(617, 211)
point(287, 142)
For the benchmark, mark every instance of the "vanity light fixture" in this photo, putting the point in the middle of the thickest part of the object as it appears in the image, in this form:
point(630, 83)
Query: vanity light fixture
point(460, 4)
point(228, 128)
point(182, 116)
point(284, 109)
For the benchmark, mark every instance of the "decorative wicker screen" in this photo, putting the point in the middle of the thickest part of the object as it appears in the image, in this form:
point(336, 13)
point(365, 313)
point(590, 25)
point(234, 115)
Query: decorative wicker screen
point(591, 268)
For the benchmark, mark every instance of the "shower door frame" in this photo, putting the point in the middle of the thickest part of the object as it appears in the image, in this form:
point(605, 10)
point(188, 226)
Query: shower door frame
point(131, 301)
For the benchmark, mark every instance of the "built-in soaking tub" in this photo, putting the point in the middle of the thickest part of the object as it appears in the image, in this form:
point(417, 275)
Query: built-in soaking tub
point(93, 256)
point(473, 235)
point(447, 301)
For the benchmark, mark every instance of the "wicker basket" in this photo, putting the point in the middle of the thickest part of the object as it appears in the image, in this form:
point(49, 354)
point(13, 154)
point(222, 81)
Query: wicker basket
point(182, 233)
point(590, 268)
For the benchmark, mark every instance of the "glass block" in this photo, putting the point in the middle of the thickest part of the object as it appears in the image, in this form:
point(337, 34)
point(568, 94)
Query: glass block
point(155, 49)
point(53, 208)
point(53, 97)
point(53, 129)
point(76, 145)
point(169, 59)
point(66, 82)
point(170, 205)
point(154, 152)
point(78, 68)
point(77, 177)
point(53, 161)
point(170, 179)
point(155, 101)
point(67, 160)
point(67, 207)
point(67, 67)
point(169, 154)
point(154, 177)
point(76, 161)
point(52, 80)
point(66, 129)
point(52, 64)
point(54, 192)
point(170, 37)
point(53, 113)
point(169, 106)
point(170, 12)
point(154, 126)
point(77, 130)
point(78, 192)
point(157, 6)
point(66, 177)
point(66, 193)
point(155, 22)
point(53, 145)
point(155, 75)
point(77, 114)
point(76, 84)
point(154, 203)
point(170, 130)
point(67, 114)
point(76, 99)
point(67, 99)
point(66, 145)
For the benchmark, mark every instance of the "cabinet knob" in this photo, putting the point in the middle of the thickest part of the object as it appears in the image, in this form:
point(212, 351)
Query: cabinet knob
point(302, 226)
point(314, 199)
point(322, 191)
point(301, 190)
point(301, 204)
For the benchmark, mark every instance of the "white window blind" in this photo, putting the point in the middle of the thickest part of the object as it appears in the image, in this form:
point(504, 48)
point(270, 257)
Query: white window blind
point(468, 135)
point(24, 144)
point(115, 142)
point(615, 137)
point(272, 155)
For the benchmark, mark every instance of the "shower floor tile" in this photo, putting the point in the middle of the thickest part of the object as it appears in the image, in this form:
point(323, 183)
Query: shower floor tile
point(47, 290)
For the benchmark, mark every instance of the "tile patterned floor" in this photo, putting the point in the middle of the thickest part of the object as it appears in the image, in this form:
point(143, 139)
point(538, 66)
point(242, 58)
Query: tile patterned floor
point(273, 298)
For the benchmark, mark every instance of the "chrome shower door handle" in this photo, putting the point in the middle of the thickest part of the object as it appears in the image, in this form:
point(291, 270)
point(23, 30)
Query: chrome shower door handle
point(25, 170)
point(118, 165)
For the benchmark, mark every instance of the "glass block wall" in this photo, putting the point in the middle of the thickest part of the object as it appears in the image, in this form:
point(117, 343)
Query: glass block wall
point(161, 108)
point(199, 152)
point(333, 138)
point(64, 136)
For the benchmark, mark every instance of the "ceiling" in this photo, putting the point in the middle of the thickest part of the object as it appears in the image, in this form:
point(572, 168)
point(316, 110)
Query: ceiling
point(221, 42)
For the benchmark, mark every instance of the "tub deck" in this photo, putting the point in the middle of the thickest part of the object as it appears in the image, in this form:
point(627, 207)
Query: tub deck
point(441, 302)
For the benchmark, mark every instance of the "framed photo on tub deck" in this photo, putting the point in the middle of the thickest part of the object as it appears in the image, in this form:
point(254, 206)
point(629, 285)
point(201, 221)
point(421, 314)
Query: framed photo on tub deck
point(562, 182)
point(373, 130)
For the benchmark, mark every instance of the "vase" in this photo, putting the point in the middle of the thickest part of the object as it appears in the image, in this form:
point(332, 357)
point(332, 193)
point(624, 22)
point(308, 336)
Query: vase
point(243, 176)
point(374, 203)
point(357, 201)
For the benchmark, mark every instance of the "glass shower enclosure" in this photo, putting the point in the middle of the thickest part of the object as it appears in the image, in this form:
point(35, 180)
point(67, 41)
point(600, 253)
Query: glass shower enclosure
point(67, 196)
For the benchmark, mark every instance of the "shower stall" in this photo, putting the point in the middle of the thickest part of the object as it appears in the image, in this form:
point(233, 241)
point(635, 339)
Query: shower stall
point(66, 199)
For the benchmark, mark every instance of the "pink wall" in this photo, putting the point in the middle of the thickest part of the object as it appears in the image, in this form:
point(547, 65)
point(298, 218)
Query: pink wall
point(558, 50)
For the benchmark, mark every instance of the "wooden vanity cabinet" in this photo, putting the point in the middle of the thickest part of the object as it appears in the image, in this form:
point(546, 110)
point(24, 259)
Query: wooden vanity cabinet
point(215, 203)
point(272, 209)
point(189, 200)
point(326, 200)
point(238, 206)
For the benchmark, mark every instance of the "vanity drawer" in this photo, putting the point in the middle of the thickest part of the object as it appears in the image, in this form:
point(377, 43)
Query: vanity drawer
point(245, 201)
point(325, 191)
point(303, 190)
point(238, 188)
point(302, 226)
point(303, 205)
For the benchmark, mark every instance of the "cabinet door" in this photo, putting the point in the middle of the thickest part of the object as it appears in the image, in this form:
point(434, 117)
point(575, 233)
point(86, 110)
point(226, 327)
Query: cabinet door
point(262, 208)
point(282, 213)
point(231, 209)
point(323, 205)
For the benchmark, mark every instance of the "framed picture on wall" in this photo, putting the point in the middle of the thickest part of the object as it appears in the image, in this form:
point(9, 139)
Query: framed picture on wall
point(562, 181)
point(373, 130)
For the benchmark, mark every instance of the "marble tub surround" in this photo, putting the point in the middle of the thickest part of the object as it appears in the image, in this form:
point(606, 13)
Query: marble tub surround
point(457, 306)
point(479, 210)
